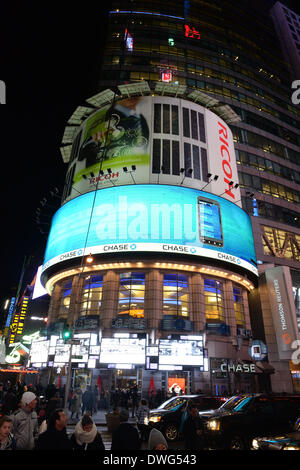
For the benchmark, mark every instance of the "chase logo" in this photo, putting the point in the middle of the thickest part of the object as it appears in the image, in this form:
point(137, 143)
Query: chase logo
point(193, 250)
point(133, 246)
point(2, 92)
point(238, 261)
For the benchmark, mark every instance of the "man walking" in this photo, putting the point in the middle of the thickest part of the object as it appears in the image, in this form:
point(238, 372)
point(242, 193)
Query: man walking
point(56, 435)
point(25, 426)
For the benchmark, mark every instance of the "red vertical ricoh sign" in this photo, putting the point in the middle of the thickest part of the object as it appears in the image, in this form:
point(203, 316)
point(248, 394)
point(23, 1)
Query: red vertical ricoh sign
point(225, 153)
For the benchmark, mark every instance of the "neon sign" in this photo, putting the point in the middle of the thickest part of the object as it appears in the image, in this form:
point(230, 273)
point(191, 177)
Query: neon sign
point(128, 40)
point(166, 76)
point(191, 32)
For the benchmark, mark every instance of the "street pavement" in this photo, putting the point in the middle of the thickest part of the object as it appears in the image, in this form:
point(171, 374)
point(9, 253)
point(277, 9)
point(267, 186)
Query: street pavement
point(100, 422)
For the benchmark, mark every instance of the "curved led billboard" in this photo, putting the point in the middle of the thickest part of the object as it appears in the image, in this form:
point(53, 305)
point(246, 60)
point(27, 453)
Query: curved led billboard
point(151, 218)
point(159, 139)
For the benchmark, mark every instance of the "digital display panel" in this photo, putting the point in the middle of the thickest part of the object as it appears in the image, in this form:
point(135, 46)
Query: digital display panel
point(39, 351)
point(155, 218)
point(181, 352)
point(210, 224)
point(122, 350)
point(62, 353)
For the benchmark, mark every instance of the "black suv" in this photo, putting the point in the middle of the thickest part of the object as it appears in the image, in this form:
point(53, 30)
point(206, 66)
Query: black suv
point(241, 418)
point(167, 417)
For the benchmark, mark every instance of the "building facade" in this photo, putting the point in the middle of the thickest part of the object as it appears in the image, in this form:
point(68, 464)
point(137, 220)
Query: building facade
point(171, 75)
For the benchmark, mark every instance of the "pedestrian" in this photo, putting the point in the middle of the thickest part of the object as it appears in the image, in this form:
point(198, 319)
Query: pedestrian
point(191, 428)
point(25, 425)
point(86, 436)
point(126, 436)
point(10, 402)
point(55, 437)
point(142, 417)
point(157, 441)
point(53, 404)
point(7, 440)
point(76, 402)
point(88, 400)
point(134, 400)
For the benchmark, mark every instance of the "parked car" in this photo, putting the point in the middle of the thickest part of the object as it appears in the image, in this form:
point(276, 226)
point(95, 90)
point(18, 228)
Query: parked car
point(167, 417)
point(245, 417)
point(289, 441)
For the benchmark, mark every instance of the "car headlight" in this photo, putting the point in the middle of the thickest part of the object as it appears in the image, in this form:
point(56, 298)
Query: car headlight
point(213, 425)
point(255, 444)
point(290, 448)
point(155, 419)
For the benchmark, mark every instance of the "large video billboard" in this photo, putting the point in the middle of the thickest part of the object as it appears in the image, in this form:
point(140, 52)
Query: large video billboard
point(151, 218)
point(161, 140)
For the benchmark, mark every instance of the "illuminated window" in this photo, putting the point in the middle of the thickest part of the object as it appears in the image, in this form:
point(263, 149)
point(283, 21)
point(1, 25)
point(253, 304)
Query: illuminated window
point(132, 294)
point(214, 301)
point(281, 244)
point(65, 299)
point(238, 306)
point(176, 295)
point(91, 295)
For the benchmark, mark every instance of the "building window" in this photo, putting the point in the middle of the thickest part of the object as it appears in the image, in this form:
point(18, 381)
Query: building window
point(91, 295)
point(280, 243)
point(238, 307)
point(214, 301)
point(65, 300)
point(132, 294)
point(176, 295)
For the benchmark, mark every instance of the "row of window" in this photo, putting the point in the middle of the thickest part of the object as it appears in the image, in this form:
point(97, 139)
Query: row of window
point(264, 164)
point(280, 243)
point(243, 136)
point(176, 297)
point(166, 158)
point(268, 187)
point(259, 208)
point(212, 37)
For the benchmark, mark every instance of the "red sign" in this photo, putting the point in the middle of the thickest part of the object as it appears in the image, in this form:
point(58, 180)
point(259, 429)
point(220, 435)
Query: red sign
point(191, 32)
point(166, 76)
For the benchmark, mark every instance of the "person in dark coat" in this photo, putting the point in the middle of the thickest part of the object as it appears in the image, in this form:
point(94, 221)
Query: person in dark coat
point(86, 436)
point(55, 437)
point(126, 436)
point(191, 427)
point(88, 400)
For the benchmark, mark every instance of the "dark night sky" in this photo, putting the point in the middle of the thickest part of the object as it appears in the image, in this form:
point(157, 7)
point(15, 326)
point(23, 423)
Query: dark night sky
point(49, 59)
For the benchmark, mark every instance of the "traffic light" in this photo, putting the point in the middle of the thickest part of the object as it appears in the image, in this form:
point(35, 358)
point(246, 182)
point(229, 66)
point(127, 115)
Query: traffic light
point(66, 332)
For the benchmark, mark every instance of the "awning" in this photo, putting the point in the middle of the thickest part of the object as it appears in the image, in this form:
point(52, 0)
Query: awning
point(263, 367)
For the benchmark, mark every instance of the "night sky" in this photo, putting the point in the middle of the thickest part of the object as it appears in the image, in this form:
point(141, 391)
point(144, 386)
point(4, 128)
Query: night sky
point(49, 59)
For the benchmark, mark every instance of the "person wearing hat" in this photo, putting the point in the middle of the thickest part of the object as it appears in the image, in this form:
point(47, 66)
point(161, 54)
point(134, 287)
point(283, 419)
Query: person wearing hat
point(126, 436)
point(157, 441)
point(25, 427)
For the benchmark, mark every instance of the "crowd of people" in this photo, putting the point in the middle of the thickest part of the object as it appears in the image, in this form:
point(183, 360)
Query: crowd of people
point(31, 423)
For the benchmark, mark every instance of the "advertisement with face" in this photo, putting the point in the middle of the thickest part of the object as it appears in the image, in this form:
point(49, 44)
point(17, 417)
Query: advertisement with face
point(156, 218)
point(113, 138)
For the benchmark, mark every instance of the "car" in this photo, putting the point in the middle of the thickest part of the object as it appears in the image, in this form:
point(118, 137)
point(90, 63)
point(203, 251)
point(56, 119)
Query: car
point(289, 441)
point(167, 417)
point(244, 417)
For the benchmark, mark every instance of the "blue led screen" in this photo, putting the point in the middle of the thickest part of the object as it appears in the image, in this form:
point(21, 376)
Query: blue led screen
point(158, 218)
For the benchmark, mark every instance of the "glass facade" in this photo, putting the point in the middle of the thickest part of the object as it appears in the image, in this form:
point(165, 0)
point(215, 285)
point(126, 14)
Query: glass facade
point(214, 301)
point(176, 295)
point(91, 295)
point(132, 294)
